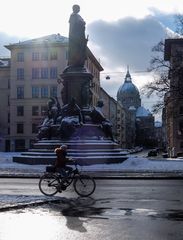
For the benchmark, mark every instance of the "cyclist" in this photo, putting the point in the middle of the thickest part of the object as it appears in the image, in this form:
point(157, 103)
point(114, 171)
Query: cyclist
point(62, 160)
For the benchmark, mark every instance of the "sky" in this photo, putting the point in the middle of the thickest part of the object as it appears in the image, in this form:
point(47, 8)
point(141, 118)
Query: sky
point(120, 32)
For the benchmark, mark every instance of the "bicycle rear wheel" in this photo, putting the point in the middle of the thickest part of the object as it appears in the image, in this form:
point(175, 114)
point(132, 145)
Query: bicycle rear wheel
point(84, 185)
point(48, 184)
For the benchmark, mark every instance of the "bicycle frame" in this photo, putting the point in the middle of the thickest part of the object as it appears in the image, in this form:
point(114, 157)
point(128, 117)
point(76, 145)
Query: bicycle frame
point(69, 178)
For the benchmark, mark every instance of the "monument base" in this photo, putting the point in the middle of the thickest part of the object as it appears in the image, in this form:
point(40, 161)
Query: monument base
point(85, 152)
point(77, 84)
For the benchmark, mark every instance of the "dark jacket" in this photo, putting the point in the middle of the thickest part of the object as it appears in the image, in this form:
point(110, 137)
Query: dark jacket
point(61, 159)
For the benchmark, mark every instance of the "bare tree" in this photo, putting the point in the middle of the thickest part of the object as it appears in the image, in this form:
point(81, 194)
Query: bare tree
point(160, 69)
point(163, 71)
point(179, 24)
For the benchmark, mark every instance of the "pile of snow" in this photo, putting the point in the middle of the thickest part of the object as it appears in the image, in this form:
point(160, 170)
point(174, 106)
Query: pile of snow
point(133, 163)
point(140, 164)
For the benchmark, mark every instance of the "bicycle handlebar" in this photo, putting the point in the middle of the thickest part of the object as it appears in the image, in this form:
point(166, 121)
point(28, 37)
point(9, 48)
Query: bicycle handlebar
point(73, 161)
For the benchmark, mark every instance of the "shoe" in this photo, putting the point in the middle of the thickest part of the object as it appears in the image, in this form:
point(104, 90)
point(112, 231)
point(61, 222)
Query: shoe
point(63, 187)
point(59, 188)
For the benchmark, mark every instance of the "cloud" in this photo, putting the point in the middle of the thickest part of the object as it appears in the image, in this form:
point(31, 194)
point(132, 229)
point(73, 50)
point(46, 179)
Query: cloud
point(127, 41)
point(6, 39)
point(167, 19)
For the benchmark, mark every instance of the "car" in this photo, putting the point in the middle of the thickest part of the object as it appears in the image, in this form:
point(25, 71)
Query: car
point(153, 153)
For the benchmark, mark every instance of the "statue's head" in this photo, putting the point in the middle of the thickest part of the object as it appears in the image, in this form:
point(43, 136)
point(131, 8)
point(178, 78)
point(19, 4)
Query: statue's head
point(76, 8)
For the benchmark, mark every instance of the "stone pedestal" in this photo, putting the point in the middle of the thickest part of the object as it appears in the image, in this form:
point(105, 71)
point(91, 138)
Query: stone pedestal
point(77, 83)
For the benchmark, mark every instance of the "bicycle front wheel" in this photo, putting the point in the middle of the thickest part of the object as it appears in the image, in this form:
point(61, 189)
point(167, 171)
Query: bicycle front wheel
point(84, 185)
point(48, 184)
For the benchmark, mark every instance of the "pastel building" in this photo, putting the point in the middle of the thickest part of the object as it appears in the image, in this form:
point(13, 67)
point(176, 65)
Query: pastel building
point(28, 79)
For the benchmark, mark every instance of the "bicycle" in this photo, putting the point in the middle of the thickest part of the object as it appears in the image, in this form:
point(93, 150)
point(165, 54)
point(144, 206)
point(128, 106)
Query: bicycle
point(52, 182)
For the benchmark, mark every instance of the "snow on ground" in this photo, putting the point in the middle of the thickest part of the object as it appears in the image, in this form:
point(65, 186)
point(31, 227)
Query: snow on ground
point(133, 163)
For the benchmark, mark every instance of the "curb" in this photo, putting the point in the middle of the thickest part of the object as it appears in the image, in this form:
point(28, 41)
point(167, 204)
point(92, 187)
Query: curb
point(20, 205)
point(108, 175)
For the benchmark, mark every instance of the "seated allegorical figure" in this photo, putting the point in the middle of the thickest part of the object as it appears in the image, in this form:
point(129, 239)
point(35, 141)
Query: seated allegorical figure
point(71, 118)
point(98, 117)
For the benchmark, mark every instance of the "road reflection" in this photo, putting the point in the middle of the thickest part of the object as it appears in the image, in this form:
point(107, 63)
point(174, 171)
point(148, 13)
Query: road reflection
point(68, 218)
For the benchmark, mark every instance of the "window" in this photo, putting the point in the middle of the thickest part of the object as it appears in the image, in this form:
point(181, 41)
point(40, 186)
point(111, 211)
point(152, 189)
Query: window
point(44, 73)
point(53, 55)
point(53, 73)
point(34, 128)
point(35, 110)
point(19, 145)
point(53, 91)
point(20, 110)
point(44, 110)
point(35, 56)
point(35, 73)
point(35, 92)
point(180, 131)
point(20, 128)
point(20, 57)
point(20, 92)
point(8, 83)
point(181, 110)
point(44, 92)
point(44, 56)
point(20, 74)
point(8, 117)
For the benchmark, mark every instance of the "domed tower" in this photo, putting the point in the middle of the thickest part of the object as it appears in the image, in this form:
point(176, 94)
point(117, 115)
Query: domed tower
point(128, 93)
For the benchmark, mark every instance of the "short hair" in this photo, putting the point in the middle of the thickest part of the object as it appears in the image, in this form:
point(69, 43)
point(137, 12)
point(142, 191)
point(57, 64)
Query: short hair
point(63, 147)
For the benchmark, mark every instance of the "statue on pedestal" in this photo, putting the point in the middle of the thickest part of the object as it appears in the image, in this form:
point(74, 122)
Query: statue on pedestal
point(77, 40)
point(75, 118)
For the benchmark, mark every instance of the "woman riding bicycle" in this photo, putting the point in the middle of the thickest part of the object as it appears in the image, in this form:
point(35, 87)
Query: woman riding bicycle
point(62, 160)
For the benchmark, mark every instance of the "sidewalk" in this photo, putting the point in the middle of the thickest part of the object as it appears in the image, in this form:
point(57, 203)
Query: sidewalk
point(136, 166)
point(14, 202)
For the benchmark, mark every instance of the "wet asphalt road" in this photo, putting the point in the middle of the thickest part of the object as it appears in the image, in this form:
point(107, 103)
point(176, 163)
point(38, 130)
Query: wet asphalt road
point(119, 209)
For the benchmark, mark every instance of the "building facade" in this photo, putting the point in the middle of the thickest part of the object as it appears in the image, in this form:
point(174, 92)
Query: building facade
point(4, 104)
point(115, 112)
point(174, 98)
point(31, 79)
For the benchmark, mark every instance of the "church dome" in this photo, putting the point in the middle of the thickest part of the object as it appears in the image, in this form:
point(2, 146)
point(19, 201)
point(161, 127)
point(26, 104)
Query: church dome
point(128, 93)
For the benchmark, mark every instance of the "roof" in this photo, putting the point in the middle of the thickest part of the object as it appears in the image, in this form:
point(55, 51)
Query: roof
point(128, 87)
point(142, 112)
point(158, 124)
point(55, 39)
point(50, 39)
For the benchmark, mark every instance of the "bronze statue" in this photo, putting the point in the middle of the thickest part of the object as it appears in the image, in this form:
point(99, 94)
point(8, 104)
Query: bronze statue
point(77, 40)
point(98, 117)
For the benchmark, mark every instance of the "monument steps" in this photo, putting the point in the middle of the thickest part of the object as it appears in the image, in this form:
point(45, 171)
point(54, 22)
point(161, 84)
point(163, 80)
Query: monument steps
point(75, 154)
point(87, 160)
point(76, 150)
point(84, 152)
